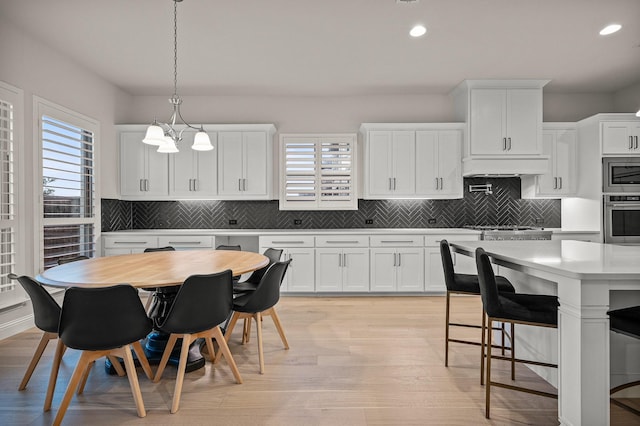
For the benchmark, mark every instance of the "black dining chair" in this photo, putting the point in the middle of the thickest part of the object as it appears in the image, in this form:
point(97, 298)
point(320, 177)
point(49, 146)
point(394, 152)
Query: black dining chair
point(625, 321)
point(46, 313)
point(537, 310)
point(106, 321)
point(251, 283)
point(258, 304)
point(202, 303)
point(64, 260)
point(153, 291)
point(237, 247)
point(467, 284)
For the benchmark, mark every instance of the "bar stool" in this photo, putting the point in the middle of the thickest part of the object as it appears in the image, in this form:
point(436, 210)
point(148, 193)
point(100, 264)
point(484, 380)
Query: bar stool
point(466, 284)
point(514, 308)
point(625, 321)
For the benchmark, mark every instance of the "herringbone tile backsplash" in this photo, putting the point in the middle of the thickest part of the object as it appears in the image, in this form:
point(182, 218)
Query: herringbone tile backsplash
point(503, 207)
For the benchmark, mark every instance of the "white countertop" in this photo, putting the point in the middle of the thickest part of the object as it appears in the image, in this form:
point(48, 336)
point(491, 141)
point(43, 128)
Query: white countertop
point(574, 259)
point(256, 232)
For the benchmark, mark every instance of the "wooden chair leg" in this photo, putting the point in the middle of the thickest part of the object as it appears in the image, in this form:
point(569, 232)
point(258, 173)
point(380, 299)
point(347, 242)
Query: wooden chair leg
point(488, 381)
point(276, 320)
point(246, 334)
point(116, 365)
point(483, 329)
point(132, 375)
point(85, 376)
point(85, 359)
point(184, 352)
point(210, 349)
point(44, 340)
point(142, 358)
point(446, 330)
point(223, 348)
point(165, 357)
point(258, 318)
point(227, 333)
point(53, 377)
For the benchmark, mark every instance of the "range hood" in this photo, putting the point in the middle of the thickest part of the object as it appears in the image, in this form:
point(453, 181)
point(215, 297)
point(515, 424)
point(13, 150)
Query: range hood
point(499, 166)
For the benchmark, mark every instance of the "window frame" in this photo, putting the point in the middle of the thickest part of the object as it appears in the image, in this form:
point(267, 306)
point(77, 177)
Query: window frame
point(43, 107)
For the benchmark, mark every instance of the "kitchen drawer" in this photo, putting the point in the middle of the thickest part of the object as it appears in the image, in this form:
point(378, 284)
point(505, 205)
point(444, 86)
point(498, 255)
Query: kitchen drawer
point(287, 241)
point(186, 241)
point(434, 240)
point(396, 240)
point(130, 242)
point(342, 241)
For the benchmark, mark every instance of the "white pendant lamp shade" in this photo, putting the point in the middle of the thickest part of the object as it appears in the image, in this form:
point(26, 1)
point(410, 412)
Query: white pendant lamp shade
point(154, 135)
point(168, 146)
point(201, 142)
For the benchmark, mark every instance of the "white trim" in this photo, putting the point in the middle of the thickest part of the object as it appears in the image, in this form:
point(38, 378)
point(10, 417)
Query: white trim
point(42, 107)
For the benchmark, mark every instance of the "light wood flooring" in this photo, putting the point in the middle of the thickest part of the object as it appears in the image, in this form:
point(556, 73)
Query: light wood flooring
point(353, 361)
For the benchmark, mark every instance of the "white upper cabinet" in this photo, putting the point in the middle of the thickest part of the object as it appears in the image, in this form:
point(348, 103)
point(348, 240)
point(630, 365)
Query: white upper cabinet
point(559, 142)
point(621, 137)
point(144, 172)
point(391, 163)
point(245, 163)
point(412, 160)
point(193, 174)
point(504, 121)
point(318, 172)
point(438, 163)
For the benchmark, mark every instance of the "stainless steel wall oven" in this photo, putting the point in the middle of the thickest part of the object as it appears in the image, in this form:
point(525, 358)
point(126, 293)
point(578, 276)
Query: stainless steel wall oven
point(622, 219)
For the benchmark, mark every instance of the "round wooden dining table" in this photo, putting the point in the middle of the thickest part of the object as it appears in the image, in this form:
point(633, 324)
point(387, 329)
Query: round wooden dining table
point(162, 271)
point(150, 270)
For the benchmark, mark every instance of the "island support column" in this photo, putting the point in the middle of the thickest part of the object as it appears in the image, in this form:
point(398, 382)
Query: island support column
point(583, 333)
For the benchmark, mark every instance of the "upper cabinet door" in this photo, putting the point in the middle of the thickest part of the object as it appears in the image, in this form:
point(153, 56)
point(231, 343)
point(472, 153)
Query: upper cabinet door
point(524, 121)
point(404, 163)
point(621, 137)
point(565, 162)
point(193, 174)
point(255, 172)
point(144, 172)
point(488, 121)
point(427, 174)
point(230, 163)
point(449, 163)
point(380, 166)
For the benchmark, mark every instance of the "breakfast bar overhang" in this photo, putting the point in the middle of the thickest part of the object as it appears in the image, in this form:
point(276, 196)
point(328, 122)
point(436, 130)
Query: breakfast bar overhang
point(585, 274)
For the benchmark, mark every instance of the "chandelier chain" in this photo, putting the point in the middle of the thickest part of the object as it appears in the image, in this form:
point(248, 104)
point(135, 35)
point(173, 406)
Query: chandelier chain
point(175, 48)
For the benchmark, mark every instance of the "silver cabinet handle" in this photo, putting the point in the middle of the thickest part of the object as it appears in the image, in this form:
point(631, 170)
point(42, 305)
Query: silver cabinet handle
point(630, 142)
point(560, 180)
point(394, 259)
point(396, 241)
point(437, 184)
point(341, 242)
point(441, 184)
point(184, 242)
point(239, 184)
point(399, 259)
point(394, 184)
point(287, 242)
point(146, 185)
point(339, 260)
point(509, 140)
point(390, 185)
point(504, 144)
point(131, 242)
point(636, 145)
point(555, 183)
point(190, 184)
point(141, 185)
point(244, 184)
point(344, 260)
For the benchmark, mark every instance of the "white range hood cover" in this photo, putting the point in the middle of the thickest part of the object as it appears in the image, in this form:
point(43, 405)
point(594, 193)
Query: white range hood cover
point(501, 166)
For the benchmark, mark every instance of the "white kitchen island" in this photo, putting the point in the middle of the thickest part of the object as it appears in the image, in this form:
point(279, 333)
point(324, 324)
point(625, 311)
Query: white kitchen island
point(585, 274)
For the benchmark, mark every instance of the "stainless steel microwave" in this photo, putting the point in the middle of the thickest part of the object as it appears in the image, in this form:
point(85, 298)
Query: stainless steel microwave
point(622, 219)
point(621, 174)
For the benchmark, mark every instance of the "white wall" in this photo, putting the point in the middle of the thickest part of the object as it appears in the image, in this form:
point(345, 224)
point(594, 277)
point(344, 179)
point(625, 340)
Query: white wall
point(627, 100)
point(36, 69)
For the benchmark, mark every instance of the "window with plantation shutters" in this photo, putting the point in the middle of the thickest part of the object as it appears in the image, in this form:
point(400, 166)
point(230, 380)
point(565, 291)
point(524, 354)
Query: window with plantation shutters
point(318, 172)
point(10, 130)
point(68, 185)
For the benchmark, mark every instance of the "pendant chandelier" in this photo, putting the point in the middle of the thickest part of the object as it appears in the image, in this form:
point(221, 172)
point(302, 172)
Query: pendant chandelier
point(165, 135)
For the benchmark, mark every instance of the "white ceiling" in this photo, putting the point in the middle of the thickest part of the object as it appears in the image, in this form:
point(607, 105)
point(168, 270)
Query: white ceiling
point(339, 47)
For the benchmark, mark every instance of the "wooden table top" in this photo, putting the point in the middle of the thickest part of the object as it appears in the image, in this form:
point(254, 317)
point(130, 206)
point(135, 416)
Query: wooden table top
point(149, 270)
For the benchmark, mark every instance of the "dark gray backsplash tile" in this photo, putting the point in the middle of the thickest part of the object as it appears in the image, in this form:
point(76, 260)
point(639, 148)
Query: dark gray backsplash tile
point(503, 207)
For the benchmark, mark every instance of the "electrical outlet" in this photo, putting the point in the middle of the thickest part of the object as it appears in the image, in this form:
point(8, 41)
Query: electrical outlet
point(297, 221)
point(431, 221)
point(233, 222)
point(368, 221)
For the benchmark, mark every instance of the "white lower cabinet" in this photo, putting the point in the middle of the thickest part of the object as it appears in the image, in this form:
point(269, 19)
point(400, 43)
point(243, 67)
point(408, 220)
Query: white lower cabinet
point(113, 246)
point(342, 269)
point(397, 269)
point(300, 276)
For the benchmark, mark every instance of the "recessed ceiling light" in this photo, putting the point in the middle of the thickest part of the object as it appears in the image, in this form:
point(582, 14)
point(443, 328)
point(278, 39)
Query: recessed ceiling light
point(610, 29)
point(418, 31)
